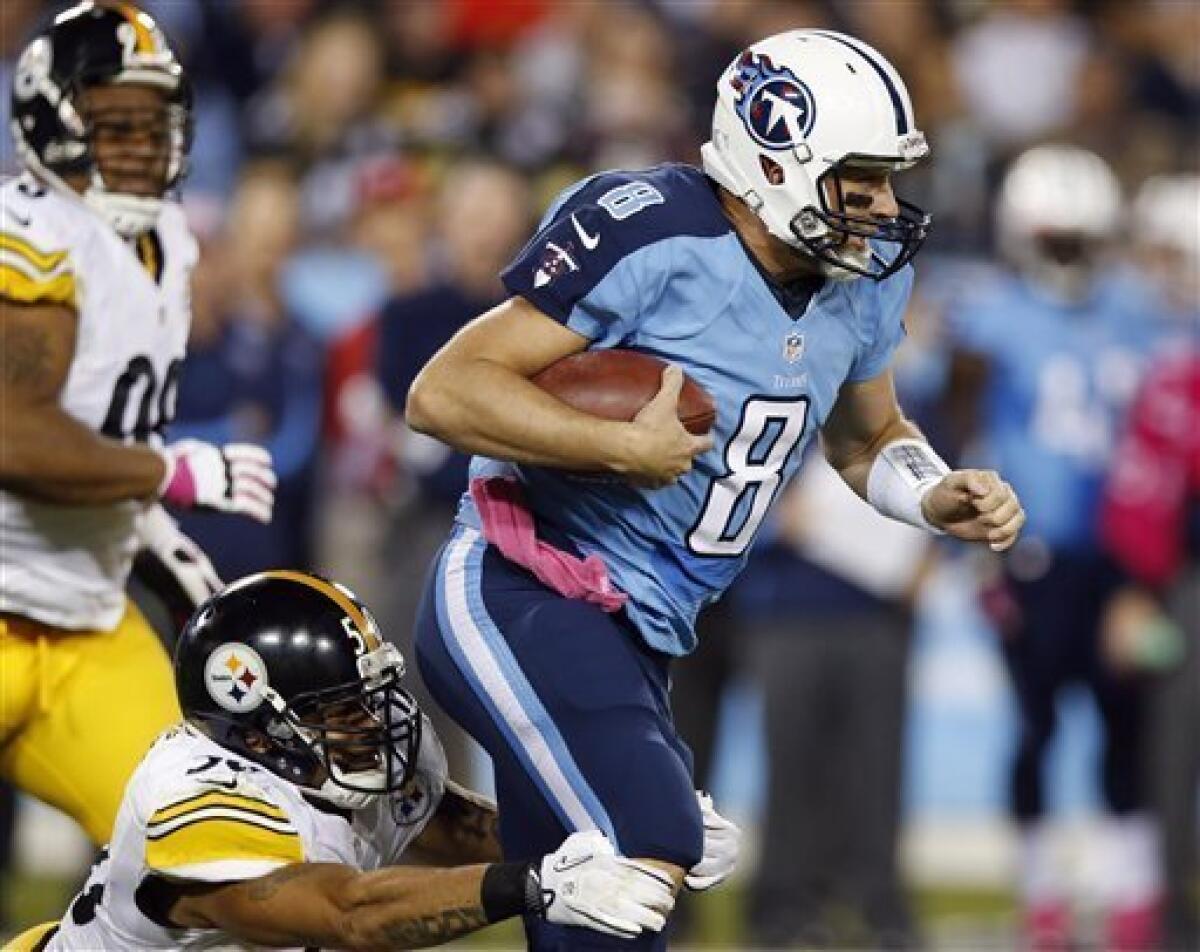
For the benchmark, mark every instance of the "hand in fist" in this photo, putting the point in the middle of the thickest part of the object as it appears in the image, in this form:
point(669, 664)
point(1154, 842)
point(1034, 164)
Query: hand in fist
point(975, 505)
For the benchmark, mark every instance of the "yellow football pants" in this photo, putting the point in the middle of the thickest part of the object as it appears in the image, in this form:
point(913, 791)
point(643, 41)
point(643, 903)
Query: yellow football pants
point(78, 710)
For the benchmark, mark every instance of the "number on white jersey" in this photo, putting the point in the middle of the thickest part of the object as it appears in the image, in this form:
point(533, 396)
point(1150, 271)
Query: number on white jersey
point(139, 375)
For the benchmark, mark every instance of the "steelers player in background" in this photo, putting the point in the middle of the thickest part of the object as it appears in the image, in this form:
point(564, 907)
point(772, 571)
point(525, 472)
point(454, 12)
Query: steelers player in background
point(94, 271)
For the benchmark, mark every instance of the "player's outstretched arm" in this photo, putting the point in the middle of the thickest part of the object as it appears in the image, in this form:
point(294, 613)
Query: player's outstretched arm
point(335, 907)
point(885, 459)
point(45, 453)
point(475, 394)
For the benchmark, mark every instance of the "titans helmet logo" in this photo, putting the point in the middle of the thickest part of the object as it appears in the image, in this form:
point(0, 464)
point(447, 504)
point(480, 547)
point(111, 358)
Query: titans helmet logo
point(776, 108)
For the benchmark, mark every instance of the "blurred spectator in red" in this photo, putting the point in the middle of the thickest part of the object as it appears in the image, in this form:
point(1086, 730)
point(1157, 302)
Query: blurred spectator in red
point(1151, 524)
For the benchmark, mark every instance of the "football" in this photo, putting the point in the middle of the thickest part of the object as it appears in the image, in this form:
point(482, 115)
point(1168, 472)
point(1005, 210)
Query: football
point(616, 384)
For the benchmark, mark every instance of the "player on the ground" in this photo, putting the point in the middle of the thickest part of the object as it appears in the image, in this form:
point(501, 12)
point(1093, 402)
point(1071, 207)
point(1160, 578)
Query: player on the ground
point(94, 270)
point(302, 770)
point(777, 277)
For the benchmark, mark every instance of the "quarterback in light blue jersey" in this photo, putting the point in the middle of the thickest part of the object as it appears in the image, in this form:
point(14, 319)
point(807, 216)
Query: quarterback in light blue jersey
point(777, 277)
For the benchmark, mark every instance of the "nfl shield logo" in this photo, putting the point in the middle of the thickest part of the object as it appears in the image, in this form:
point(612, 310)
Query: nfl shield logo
point(793, 347)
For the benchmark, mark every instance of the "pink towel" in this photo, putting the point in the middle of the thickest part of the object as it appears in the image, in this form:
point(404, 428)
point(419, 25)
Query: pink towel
point(508, 525)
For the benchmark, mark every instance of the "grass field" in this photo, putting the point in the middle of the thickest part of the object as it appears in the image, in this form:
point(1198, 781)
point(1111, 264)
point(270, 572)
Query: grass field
point(962, 920)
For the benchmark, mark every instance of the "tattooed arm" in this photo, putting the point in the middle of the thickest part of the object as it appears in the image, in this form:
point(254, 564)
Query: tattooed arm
point(583, 883)
point(334, 907)
point(465, 829)
point(45, 453)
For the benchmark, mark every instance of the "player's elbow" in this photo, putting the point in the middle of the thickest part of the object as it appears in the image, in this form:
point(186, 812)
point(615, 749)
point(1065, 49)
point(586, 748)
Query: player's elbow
point(20, 458)
point(426, 404)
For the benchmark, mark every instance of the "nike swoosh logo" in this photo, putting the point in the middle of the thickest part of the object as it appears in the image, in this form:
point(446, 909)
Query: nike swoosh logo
point(563, 863)
point(589, 241)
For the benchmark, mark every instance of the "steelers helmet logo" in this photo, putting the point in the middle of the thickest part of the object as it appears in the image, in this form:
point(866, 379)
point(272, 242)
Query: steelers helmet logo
point(236, 677)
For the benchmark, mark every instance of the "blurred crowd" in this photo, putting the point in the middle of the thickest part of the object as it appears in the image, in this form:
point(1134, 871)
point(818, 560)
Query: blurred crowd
point(362, 172)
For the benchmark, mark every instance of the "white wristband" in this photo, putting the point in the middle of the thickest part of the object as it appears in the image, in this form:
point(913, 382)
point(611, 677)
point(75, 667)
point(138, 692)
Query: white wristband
point(903, 472)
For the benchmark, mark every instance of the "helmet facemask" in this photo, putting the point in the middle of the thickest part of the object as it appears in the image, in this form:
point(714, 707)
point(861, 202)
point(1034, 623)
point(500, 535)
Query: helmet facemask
point(851, 244)
point(167, 130)
point(350, 743)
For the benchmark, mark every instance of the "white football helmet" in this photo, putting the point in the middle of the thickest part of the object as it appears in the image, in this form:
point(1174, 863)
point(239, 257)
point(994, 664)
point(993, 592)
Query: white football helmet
point(1166, 214)
point(792, 112)
point(1166, 221)
point(1058, 206)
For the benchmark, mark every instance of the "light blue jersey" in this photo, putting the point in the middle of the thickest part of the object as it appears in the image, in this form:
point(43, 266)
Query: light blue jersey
point(1059, 379)
point(648, 261)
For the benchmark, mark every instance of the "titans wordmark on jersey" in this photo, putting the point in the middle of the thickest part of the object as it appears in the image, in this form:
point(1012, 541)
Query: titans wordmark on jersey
point(648, 261)
point(67, 566)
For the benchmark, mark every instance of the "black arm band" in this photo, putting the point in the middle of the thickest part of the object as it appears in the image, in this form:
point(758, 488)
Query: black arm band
point(510, 889)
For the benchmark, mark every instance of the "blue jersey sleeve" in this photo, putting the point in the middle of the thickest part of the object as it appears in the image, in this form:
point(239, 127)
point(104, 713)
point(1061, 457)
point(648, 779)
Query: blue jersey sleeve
point(886, 302)
point(602, 256)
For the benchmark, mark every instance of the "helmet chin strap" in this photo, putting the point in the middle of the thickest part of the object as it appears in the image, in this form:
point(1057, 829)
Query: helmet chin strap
point(128, 215)
point(835, 272)
point(333, 792)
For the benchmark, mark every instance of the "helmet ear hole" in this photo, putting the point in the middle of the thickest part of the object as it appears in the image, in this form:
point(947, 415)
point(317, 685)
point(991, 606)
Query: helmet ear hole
point(772, 171)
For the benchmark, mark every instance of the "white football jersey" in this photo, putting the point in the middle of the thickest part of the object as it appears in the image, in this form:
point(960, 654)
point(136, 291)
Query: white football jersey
point(196, 811)
point(66, 566)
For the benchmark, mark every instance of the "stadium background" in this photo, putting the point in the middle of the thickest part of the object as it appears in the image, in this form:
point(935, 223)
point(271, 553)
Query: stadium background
point(337, 165)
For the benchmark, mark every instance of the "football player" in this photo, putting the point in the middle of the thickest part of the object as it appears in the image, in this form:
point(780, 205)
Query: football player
point(1047, 358)
point(777, 277)
point(94, 270)
point(303, 770)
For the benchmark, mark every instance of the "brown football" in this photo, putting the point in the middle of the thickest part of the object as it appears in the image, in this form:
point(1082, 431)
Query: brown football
point(616, 384)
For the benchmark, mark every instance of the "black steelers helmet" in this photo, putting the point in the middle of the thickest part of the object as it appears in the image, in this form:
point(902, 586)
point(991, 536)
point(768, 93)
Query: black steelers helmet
point(289, 670)
point(96, 42)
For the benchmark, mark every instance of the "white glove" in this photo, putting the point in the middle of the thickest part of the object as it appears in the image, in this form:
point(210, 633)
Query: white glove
point(172, 566)
point(586, 884)
point(721, 841)
point(236, 477)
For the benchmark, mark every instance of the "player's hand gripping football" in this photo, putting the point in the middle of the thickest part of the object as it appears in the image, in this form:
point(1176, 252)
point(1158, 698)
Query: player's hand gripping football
point(722, 841)
point(660, 448)
point(236, 477)
point(586, 884)
point(975, 505)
